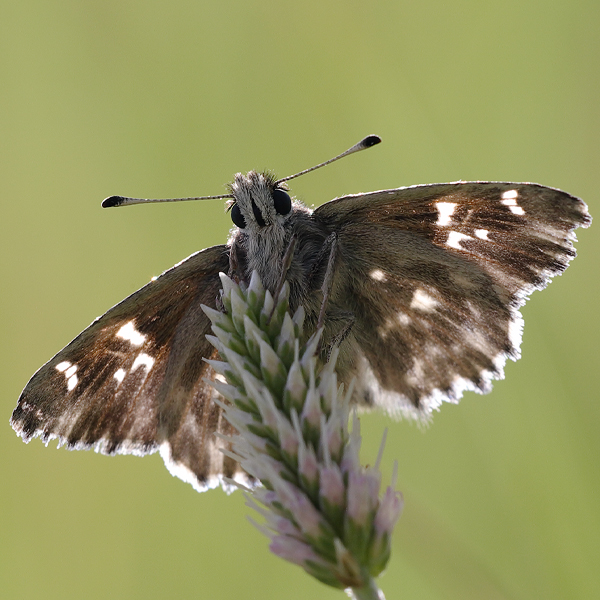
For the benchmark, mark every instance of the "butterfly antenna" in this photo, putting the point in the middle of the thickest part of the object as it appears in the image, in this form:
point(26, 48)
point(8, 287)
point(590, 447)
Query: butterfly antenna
point(125, 201)
point(370, 140)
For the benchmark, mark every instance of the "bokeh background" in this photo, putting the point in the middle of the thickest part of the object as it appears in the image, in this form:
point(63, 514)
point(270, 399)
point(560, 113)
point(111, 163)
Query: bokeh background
point(157, 98)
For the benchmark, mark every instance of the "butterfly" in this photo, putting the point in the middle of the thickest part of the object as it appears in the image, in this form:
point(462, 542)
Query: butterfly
point(420, 286)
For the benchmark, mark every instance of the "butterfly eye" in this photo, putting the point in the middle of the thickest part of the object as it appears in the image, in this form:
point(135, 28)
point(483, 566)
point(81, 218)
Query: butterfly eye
point(282, 201)
point(237, 217)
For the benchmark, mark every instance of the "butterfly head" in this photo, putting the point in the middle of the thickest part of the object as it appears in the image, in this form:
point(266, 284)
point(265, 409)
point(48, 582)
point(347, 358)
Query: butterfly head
point(259, 202)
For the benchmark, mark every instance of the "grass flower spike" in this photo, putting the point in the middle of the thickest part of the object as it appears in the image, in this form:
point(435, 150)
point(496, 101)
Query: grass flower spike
point(322, 510)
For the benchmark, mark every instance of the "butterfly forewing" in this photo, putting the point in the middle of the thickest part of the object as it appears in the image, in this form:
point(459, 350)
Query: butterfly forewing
point(434, 276)
point(420, 286)
point(134, 380)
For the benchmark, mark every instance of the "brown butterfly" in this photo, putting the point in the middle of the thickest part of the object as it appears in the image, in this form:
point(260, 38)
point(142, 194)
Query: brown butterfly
point(421, 287)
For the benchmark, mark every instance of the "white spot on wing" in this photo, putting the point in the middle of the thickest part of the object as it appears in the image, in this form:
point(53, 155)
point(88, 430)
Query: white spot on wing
point(423, 301)
point(377, 275)
point(69, 370)
point(482, 234)
point(119, 375)
point(403, 318)
point(455, 238)
point(72, 382)
point(509, 198)
point(510, 195)
point(129, 333)
point(446, 210)
point(142, 360)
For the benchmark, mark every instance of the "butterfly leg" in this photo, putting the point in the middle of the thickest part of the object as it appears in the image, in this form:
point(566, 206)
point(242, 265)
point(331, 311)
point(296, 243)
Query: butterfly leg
point(285, 267)
point(343, 322)
point(330, 242)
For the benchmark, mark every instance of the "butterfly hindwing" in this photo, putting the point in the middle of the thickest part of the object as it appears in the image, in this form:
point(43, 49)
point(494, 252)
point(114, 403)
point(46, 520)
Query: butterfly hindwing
point(133, 381)
point(435, 275)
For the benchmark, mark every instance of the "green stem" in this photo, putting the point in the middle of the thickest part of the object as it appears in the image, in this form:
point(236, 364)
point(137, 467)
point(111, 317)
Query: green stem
point(370, 591)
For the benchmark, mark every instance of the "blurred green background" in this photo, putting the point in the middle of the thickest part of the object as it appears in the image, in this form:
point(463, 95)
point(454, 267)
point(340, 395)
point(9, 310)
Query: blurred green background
point(157, 98)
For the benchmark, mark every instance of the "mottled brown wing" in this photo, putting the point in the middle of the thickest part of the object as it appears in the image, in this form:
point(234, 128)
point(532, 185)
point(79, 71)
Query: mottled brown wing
point(434, 276)
point(133, 381)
